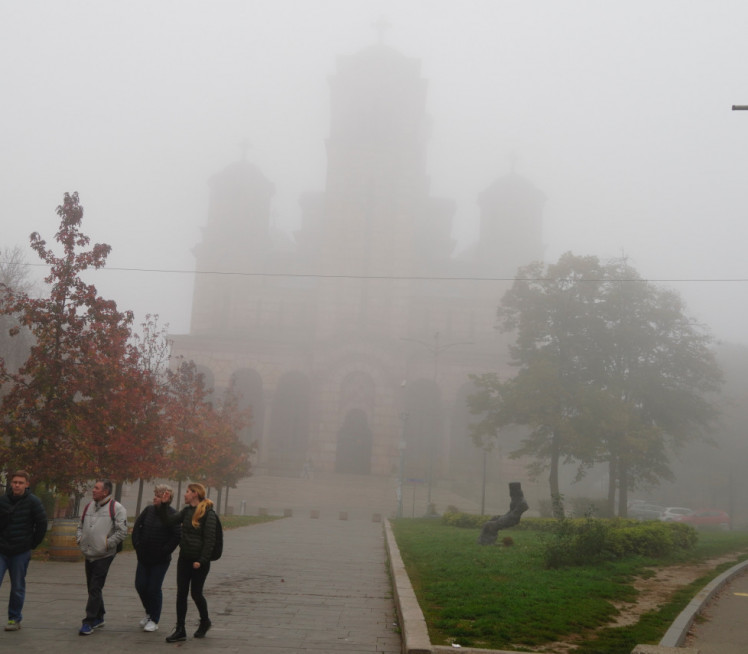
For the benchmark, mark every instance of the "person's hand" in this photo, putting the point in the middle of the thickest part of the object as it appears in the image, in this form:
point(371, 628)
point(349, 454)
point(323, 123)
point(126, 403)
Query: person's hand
point(162, 498)
point(196, 565)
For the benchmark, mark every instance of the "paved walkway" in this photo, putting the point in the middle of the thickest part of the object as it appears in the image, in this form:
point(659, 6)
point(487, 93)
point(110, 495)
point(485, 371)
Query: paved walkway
point(722, 627)
point(298, 585)
point(284, 587)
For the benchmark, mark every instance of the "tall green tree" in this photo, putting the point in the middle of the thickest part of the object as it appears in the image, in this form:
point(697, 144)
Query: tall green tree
point(609, 369)
point(553, 314)
point(660, 371)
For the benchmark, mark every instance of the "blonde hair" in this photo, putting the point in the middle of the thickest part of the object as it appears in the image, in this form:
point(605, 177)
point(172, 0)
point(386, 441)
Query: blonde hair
point(203, 505)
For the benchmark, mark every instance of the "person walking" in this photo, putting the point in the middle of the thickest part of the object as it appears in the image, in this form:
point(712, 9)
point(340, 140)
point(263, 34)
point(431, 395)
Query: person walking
point(154, 542)
point(101, 529)
point(23, 523)
point(199, 524)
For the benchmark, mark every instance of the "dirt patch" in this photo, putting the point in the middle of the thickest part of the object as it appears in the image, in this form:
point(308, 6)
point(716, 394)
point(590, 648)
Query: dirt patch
point(659, 588)
point(653, 592)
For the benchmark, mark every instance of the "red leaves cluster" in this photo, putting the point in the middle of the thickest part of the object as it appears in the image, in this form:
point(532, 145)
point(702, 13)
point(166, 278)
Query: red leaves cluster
point(204, 439)
point(92, 400)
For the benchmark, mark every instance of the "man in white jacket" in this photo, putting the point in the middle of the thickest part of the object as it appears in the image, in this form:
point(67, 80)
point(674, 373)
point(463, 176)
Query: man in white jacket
point(101, 529)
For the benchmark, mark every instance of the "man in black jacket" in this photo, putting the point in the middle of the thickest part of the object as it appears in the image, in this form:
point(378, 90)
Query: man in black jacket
point(23, 523)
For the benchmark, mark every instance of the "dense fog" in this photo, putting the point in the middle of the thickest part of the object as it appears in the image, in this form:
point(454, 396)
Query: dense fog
point(620, 114)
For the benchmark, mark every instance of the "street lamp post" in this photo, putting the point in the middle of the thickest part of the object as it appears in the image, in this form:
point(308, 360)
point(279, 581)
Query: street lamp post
point(401, 446)
point(483, 485)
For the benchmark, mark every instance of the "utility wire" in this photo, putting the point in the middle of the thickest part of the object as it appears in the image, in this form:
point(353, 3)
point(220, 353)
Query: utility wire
point(438, 278)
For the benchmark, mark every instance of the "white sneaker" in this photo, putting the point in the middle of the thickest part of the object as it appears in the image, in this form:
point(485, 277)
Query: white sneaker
point(150, 626)
point(144, 621)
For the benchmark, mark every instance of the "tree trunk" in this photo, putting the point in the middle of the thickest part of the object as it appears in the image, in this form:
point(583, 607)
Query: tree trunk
point(118, 491)
point(179, 493)
point(77, 497)
point(556, 499)
point(140, 496)
point(623, 486)
point(218, 500)
point(612, 477)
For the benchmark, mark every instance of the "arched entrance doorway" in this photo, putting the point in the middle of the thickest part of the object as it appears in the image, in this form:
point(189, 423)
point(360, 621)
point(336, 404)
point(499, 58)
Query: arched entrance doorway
point(289, 425)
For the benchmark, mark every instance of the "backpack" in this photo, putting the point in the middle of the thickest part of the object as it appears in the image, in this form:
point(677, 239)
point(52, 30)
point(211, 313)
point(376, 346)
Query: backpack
point(218, 544)
point(111, 515)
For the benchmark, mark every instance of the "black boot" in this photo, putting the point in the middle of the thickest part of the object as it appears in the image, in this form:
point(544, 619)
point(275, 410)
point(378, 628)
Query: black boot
point(177, 635)
point(202, 629)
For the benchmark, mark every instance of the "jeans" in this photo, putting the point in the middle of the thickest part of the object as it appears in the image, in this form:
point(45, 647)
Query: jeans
point(16, 565)
point(189, 579)
point(96, 572)
point(148, 581)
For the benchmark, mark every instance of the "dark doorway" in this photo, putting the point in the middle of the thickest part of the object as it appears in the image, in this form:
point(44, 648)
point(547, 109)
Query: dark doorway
point(289, 426)
point(353, 453)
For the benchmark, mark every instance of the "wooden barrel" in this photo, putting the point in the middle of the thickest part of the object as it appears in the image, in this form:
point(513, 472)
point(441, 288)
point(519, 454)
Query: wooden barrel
point(62, 545)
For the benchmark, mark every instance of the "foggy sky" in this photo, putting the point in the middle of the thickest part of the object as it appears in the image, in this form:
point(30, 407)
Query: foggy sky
point(618, 112)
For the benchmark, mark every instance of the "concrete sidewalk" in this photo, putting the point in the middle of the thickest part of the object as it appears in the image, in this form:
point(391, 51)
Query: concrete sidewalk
point(291, 586)
point(722, 627)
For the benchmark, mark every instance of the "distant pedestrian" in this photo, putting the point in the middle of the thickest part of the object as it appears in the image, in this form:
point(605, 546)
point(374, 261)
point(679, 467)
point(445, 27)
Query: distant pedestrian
point(101, 529)
point(307, 470)
point(199, 524)
point(154, 542)
point(23, 523)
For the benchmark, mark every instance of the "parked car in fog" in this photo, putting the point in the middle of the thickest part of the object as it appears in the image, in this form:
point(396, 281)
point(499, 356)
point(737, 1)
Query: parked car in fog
point(644, 511)
point(672, 512)
point(707, 518)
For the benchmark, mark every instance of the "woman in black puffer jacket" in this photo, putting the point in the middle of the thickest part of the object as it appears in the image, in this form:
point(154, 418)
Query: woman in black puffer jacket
point(154, 542)
point(199, 525)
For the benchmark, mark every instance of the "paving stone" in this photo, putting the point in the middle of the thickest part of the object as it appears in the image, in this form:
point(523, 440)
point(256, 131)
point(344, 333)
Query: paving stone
point(291, 586)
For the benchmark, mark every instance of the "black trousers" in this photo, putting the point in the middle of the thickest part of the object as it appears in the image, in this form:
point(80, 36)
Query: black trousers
point(191, 581)
point(96, 572)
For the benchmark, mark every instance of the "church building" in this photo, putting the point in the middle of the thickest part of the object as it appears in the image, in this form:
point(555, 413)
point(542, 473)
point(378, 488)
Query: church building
point(353, 340)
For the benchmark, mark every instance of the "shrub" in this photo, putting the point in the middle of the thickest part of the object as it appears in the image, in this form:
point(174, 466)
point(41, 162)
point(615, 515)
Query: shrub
point(578, 507)
point(538, 524)
point(588, 507)
point(465, 520)
point(580, 542)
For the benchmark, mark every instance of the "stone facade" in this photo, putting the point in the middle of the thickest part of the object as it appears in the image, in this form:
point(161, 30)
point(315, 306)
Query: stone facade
point(361, 333)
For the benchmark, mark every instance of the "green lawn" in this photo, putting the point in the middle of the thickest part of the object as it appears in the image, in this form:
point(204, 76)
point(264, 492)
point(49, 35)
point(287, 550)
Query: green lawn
point(502, 597)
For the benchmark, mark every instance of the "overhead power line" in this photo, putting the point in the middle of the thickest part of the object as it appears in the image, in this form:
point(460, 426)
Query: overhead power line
point(437, 278)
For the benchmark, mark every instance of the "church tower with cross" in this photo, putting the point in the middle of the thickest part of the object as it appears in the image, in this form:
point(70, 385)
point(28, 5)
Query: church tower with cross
point(353, 343)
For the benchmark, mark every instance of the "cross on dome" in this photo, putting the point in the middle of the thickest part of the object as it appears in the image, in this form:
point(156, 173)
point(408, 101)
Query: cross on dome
point(381, 26)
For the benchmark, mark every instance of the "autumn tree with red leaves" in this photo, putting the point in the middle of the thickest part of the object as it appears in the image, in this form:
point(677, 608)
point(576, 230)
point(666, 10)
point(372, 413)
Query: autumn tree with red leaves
point(153, 356)
point(229, 455)
point(186, 421)
point(205, 442)
point(71, 399)
point(93, 400)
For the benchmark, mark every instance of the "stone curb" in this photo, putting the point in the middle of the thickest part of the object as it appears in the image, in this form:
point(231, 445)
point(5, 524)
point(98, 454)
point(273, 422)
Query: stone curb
point(413, 630)
point(415, 635)
point(675, 636)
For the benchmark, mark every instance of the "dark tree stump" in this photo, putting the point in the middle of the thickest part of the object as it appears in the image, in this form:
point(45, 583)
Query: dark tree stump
point(517, 506)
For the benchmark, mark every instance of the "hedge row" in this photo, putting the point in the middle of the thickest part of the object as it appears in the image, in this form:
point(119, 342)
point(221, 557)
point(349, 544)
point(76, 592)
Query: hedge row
point(582, 541)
